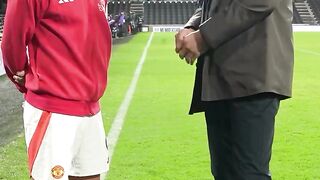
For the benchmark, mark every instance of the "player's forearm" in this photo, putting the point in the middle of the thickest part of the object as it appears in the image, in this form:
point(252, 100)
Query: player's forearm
point(19, 26)
point(14, 57)
point(12, 66)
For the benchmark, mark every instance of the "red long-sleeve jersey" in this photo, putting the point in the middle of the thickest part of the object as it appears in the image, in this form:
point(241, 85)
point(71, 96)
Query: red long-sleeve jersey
point(68, 44)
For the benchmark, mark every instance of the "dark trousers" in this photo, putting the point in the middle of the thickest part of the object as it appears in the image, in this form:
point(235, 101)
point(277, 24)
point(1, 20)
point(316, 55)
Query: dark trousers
point(240, 135)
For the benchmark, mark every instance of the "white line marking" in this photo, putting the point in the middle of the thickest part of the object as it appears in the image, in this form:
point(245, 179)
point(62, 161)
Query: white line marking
point(118, 121)
point(2, 72)
point(308, 51)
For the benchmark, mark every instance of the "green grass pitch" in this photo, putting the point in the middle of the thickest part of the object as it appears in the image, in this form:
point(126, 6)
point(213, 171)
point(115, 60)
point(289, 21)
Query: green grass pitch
point(159, 141)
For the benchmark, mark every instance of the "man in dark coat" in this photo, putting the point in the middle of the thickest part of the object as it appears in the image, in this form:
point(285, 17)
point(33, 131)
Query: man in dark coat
point(244, 68)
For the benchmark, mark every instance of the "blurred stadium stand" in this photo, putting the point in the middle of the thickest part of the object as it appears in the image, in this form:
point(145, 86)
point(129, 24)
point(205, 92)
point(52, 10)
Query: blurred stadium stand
point(2, 12)
point(177, 12)
point(115, 7)
point(315, 6)
point(296, 17)
point(169, 12)
point(156, 12)
point(306, 10)
point(1, 25)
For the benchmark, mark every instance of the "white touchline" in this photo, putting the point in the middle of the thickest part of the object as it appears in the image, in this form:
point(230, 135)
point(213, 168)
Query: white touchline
point(118, 121)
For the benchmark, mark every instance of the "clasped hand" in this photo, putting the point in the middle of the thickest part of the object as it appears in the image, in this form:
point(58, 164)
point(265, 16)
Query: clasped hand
point(19, 77)
point(190, 45)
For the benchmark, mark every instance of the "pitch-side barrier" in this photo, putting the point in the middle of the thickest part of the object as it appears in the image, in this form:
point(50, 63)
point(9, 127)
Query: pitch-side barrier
point(175, 28)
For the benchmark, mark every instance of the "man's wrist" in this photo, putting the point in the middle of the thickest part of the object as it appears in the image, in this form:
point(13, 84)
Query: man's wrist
point(202, 42)
point(190, 27)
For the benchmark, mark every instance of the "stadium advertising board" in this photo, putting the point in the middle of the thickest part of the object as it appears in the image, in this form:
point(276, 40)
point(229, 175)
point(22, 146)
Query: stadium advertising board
point(296, 28)
point(166, 28)
point(305, 28)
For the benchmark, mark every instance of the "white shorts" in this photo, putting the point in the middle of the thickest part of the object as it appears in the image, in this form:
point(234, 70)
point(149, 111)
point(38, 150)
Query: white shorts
point(70, 146)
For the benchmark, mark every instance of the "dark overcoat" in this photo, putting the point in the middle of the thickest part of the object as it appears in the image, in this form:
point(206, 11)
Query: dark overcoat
point(250, 50)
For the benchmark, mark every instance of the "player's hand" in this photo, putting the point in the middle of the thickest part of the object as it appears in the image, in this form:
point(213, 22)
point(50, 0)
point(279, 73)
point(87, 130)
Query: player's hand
point(180, 36)
point(193, 45)
point(19, 77)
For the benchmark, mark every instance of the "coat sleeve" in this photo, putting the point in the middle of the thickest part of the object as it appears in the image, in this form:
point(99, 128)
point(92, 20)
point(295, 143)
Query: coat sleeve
point(195, 20)
point(19, 26)
point(234, 17)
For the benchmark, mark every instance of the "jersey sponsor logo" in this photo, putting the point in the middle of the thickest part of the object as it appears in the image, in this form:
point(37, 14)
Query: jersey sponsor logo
point(57, 172)
point(65, 1)
point(102, 5)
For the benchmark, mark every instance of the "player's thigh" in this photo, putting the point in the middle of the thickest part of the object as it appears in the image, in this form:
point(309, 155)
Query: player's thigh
point(31, 117)
point(58, 148)
point(92, 157)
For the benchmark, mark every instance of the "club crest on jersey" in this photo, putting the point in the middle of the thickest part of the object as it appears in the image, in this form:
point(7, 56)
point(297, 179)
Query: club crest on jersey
point(102, 5)
point(57, 172)
point(65, 1)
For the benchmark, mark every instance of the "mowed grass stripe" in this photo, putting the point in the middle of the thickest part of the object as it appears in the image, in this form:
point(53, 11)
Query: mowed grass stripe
point(124, 60)
point(118, 121)
point(297, 138)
